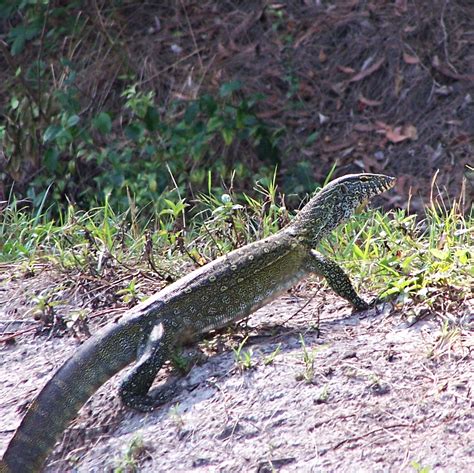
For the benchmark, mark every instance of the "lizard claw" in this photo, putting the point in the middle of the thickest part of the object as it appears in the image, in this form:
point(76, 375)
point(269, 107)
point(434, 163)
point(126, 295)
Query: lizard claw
point(360, 304)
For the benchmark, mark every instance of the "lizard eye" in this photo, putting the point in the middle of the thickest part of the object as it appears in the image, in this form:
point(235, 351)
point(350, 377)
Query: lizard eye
point(344, 189)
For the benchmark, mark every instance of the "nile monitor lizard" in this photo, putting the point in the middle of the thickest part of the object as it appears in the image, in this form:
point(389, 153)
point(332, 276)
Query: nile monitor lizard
point(213, 296)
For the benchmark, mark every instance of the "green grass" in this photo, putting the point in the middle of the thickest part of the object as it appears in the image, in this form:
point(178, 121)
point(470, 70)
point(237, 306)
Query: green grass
point(243, 358)
point(135, 453)
point(420, 262)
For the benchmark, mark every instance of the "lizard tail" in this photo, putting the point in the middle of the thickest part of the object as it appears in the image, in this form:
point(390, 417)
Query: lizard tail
point(67, 391)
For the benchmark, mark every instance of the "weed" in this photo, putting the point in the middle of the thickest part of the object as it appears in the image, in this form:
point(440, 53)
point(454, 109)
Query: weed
point(181, 362)
point(129, 294)
point(176, 416)
point(448, 335)
point(135, 452)
point(419, 468)
point(77, 318)
point(323, 395)
point(243, 358)
point(308, 359)
point(268, 360)
point(45, 304)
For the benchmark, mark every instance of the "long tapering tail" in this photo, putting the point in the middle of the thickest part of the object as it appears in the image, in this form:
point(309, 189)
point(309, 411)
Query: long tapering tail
point(67, 391)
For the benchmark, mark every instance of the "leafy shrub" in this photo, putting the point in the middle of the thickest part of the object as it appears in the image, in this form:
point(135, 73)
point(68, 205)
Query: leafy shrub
point(60, 146)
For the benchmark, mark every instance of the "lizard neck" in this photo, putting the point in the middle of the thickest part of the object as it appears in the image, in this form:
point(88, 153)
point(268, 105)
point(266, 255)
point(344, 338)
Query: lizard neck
point(311, 225)
point(320, 216)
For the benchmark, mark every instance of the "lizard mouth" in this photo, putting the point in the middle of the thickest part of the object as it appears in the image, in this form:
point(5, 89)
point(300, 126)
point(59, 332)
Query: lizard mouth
point(388, 184)
point(360, 208)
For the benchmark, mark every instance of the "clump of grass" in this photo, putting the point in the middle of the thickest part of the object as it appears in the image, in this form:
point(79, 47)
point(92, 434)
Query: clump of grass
point(423, 264)
point(135, 453)
point(268, 360)
point(243, 358)
point(176, 417)
point(90, 241)
point(229, 220)
point(309, 357)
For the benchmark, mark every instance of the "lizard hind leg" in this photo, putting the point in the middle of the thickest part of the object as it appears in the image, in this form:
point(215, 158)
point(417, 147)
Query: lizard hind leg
point(134, 388)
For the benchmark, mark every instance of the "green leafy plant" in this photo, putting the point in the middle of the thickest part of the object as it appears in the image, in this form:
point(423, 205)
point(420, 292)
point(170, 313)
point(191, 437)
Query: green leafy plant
point(243, 358)
point(44, 308)
point(176, 417)
point(309, 357)
point(134, 454)
point(63, 145)
point(419, 468)
point(129, 294)
point(268, 360)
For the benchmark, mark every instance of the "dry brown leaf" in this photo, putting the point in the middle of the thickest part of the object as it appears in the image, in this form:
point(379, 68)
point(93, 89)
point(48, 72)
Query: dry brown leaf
point(411, 132)
point(395, 135)
point(367, 72)
point(399, 134)
point(339, 87)
point(461, 139)
point(383, 126)
point(410, 59)
point(346, 70)
point(369, 102)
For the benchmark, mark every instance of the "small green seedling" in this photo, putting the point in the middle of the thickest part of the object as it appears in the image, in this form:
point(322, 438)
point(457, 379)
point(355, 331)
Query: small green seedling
point(243, 358)
point(268, 360)
point(130, 462)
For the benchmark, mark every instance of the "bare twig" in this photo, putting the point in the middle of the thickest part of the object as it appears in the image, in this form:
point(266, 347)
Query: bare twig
point(302, 308)
point(192, 35)
point(445, 36)
point(16, 334)
point(371, 432)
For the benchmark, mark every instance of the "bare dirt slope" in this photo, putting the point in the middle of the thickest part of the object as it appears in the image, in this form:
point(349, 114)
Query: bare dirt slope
point(372, 395)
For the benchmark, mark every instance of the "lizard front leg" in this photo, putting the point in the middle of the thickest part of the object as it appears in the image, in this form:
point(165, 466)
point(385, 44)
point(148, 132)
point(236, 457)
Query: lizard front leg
point(135, 386)
point(336, 278)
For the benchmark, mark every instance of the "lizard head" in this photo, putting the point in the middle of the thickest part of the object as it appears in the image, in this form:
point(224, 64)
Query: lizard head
point(337, 201)
point(358, 189)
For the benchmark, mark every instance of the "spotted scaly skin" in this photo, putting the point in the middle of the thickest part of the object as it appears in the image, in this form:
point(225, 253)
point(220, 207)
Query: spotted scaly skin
point(214, 296)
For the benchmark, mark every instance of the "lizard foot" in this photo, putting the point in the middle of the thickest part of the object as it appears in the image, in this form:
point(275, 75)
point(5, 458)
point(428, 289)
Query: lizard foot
point(147, 403)
point(359, 304)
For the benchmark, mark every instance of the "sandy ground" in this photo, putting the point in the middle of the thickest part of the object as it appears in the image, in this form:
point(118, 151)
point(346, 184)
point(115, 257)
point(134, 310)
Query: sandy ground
point(374, 394)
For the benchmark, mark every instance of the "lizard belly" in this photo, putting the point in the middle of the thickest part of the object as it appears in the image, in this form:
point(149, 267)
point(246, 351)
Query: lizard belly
point(230, 288)
point(251, 295)
point(247, 302)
